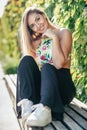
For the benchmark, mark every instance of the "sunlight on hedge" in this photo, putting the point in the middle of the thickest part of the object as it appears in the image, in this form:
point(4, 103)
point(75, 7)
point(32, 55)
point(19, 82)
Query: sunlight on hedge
point(68, 13)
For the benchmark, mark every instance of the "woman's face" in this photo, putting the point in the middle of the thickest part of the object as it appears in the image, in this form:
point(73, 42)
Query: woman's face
point(37, 23)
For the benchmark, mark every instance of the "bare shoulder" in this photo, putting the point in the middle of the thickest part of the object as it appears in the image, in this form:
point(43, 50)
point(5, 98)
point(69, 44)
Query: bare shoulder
point(64, 32)
point(65, 37)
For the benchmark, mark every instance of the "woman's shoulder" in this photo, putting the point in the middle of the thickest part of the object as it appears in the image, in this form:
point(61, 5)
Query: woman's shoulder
point(63, 32)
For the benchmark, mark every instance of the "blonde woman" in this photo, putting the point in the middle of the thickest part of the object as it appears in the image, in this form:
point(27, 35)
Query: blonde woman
point(44, 82)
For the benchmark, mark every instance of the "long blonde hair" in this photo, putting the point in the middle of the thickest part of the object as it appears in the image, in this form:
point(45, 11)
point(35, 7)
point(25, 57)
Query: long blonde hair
point(27, 47)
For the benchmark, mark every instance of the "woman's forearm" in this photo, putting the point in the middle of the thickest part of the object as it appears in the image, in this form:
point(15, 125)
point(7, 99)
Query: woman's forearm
point(57, 53)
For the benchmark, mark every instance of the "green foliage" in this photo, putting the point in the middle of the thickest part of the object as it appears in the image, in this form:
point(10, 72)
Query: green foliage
point(65, 13)
point(10, 64)
point(10, 67)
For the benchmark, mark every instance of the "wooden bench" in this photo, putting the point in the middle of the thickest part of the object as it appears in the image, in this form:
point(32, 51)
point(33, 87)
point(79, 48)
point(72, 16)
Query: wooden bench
point(75, 115)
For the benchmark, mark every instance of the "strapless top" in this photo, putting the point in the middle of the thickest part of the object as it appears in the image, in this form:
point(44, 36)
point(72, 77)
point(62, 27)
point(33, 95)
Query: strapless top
point(44, 52)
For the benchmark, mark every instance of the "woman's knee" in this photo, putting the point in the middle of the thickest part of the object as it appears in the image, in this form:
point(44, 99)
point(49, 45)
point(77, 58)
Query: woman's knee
point(47, 67)
point(27, 59)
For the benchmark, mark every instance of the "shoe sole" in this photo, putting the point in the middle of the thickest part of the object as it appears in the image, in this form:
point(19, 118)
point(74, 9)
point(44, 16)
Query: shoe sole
point(38, 124)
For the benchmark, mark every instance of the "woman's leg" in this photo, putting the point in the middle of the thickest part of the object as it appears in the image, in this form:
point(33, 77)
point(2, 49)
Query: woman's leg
point(57, 89)
point(52, 101)
point(28, 81)
point(67, 87)
point(50, 93)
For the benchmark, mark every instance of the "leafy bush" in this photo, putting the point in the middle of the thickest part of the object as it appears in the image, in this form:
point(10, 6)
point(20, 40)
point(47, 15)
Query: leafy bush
point(10, 65)
point(68, 13)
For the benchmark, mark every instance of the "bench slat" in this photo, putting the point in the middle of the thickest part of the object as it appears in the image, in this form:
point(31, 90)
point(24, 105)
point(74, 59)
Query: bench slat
point(78, 110)
point(79, 120)
point(13, 78)
point(11, 89)
point(58, 125)
point(11, 85)
point(34, 128)
point(70, 123)
point(80, 104)
point(48, 127)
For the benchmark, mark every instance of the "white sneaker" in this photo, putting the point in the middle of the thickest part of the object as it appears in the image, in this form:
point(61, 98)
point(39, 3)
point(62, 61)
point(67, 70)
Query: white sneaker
point(40, 117)
point(25, 107)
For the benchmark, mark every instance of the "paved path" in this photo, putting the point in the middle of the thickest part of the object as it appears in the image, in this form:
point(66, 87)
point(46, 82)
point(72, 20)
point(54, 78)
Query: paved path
point(8, 120)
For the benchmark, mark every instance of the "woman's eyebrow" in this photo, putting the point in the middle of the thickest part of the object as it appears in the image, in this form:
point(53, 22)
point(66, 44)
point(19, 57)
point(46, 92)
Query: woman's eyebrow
point(36, 17)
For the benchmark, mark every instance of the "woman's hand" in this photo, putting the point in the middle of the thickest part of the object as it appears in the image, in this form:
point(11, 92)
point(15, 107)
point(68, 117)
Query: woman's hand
point(49, 33)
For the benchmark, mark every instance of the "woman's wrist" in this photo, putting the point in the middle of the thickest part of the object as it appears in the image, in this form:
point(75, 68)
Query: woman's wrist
point(55, 38)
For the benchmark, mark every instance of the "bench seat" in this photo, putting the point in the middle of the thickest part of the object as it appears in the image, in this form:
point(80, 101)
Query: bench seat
point(75, 115)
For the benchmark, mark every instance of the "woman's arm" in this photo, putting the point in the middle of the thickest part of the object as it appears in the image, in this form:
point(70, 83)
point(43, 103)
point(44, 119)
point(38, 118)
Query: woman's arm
point(61, 47)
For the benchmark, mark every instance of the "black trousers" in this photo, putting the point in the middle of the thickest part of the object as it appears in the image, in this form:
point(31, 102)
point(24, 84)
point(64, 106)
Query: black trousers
point(50, 86)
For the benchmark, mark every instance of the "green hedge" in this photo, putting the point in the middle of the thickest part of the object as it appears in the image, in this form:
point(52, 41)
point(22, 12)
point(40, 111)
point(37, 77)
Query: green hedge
point(66, 13)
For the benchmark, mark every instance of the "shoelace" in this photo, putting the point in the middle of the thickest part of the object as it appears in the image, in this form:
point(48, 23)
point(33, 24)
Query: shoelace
point(37, 109)
point(36, 106)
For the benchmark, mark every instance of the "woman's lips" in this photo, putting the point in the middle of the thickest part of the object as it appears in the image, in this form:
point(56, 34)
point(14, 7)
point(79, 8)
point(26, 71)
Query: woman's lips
point(42, 29)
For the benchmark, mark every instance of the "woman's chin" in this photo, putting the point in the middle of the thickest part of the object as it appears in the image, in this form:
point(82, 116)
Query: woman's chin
point(43, 31)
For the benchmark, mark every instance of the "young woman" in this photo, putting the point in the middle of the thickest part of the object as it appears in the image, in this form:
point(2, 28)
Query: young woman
point(44, 82)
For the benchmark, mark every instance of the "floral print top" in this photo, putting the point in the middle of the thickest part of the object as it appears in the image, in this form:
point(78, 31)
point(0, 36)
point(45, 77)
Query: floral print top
point(44, 52)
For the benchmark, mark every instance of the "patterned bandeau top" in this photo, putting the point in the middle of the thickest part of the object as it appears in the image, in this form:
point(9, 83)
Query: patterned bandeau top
point(44, 53)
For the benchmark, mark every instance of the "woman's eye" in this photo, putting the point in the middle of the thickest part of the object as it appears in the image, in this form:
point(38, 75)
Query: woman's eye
point(32, 26)
point(38, 18)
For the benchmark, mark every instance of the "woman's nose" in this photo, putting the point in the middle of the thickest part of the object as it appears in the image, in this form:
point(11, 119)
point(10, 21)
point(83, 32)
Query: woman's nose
point(38, 25)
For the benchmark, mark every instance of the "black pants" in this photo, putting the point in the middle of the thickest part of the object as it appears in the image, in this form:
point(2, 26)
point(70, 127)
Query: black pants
point(50, 86)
